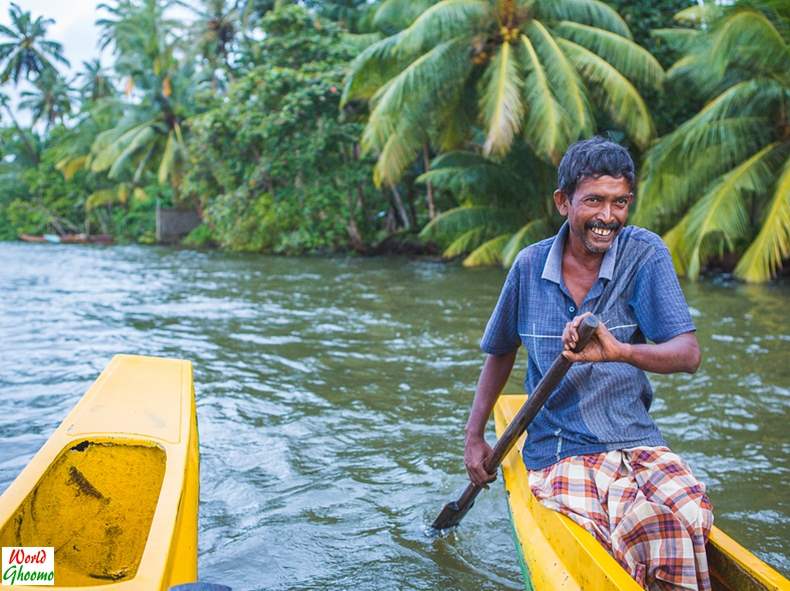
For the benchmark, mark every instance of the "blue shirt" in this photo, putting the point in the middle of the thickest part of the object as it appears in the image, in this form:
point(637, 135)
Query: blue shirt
point(597, 406)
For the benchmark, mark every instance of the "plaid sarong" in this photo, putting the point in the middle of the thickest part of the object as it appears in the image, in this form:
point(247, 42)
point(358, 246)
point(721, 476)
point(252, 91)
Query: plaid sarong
point(643, 504)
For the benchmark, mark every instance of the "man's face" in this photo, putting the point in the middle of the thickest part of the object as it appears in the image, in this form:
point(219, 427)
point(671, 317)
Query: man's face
point(597, 211)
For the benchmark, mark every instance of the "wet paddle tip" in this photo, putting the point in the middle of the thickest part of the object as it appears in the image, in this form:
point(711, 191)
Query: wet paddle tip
point(429, 531)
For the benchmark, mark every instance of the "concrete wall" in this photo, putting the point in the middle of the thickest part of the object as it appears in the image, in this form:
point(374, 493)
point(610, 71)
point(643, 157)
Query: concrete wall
point(173, 224)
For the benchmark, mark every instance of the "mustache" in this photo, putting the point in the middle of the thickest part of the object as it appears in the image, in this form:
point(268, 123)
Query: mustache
point(614, 226)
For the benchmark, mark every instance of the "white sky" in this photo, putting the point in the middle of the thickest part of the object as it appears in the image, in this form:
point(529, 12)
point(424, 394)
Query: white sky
point(73, 27)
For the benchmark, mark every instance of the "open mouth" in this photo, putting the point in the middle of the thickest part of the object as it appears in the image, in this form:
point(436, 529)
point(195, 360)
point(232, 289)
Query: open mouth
point(602, 232)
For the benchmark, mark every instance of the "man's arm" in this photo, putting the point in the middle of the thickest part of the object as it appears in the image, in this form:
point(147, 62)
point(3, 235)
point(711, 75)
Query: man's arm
point(680, 353)
point(493, 378)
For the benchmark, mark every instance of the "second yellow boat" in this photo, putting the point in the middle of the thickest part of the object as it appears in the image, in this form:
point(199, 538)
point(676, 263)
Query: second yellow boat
point(556, 554)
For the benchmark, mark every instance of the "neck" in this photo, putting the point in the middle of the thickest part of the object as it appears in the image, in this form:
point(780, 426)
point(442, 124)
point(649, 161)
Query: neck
point(576, 251)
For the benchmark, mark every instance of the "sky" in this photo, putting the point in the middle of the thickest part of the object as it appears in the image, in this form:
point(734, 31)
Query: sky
point(73, 27)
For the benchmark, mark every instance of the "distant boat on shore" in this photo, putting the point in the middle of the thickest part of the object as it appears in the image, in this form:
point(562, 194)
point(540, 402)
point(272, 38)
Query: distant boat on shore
point(68, 238)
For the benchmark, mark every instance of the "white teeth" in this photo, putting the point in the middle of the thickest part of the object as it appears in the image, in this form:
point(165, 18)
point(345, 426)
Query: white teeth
point(602, 231)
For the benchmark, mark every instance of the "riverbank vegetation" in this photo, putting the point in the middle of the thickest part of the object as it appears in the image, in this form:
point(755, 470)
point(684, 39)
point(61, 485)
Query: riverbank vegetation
point(378, 126)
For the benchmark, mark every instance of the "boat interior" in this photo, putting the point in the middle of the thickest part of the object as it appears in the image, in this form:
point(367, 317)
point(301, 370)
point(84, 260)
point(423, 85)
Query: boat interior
point(94, 505)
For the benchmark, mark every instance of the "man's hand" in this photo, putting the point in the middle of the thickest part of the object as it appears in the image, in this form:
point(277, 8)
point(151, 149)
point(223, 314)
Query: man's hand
point(601, 347)
point(476, 452)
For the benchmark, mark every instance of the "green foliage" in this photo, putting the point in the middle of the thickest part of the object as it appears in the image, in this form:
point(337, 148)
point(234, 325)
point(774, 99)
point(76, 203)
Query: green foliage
point(200, 237)
point(276, 165)
point(723, 172)
point(24, 49)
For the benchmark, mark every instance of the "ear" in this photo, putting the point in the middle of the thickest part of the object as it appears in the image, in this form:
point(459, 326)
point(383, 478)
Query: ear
point(562, 202)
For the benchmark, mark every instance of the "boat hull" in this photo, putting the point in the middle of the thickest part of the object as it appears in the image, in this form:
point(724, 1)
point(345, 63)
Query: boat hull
point(115, 489)
point(558, 555)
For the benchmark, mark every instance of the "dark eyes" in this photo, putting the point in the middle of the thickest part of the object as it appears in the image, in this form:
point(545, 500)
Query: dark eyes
point(596, 199)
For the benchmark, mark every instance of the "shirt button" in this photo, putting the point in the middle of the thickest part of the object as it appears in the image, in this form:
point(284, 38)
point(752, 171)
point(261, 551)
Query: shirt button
point(571, 309)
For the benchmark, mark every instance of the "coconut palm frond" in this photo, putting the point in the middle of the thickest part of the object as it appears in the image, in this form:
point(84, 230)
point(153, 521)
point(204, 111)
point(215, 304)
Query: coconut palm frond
point(530, 233)
point(700, 15)
point(396, 15)
point(680, 39)
point(566, 85)
point(398, 151)
point(677, 243)
point(419, 84)
point(472, 177)
point(765, 254)
point(588, 12)
point(371, 69)
point(719, 218)
point(441, 22)
point(615, 93)
point(500, 103)
point(142, 136)
point(546, 126)
point(747, 38)
point(71, 165)
point(454, 222)
point(632, 60)
point(466, 242)
point(489, 253)
point(681, 165)
point(456, 119)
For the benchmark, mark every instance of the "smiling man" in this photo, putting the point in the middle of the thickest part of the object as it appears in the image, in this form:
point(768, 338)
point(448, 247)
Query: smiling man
point(593, 452)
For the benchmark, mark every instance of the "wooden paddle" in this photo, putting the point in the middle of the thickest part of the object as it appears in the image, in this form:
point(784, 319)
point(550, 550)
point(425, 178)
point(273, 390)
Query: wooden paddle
point(454, 511)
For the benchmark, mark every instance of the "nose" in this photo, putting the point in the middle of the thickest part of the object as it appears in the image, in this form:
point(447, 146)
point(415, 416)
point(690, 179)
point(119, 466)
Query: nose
point(605, 213)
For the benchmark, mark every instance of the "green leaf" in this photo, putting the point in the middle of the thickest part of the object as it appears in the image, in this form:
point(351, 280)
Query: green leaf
point(547, 127)
point(530, 233)
point(500, 103)
point(403, 107)
point(487, 254)
point(372, 68)
point(142, 137)
point(719, 218)
point(588, 12)
point(454, 222)
point(466, 242)
point(630, 59)
point(614, 93)
point(765, 254)
point(442, 22)
point(566, 85)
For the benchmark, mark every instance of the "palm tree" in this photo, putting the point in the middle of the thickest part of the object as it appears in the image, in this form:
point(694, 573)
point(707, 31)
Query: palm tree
point(495, 197)
point(215, 31)
point(516, 69)
point(50, 100)
point(725, 173)
point(32, 152)
point(96, 81)
point(27, 52)
point(151, 132)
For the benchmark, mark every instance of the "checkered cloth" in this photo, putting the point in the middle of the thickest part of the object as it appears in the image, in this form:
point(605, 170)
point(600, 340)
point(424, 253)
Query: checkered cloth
point(643, 504)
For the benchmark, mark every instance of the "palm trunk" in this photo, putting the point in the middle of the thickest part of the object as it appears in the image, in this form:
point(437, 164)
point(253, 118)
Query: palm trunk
point(31, 150)
point(429, 195)
point(401, 209)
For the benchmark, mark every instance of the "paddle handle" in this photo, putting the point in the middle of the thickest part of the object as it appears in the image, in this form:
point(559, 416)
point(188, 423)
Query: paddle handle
point(538, 398)
point(453, 512)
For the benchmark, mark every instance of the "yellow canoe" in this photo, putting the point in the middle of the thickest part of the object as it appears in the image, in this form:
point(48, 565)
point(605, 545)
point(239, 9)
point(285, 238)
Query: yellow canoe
point(115, 488)
point(557, 554)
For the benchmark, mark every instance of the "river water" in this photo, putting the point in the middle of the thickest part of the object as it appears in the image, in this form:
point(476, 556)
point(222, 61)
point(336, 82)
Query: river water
point(332, 394)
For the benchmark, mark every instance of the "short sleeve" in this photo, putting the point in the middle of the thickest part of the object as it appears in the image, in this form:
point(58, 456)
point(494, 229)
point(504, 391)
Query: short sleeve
point(501, 334)
point(658, 302)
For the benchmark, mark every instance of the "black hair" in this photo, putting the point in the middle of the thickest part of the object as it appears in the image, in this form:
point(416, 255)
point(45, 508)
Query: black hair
point(593, 158)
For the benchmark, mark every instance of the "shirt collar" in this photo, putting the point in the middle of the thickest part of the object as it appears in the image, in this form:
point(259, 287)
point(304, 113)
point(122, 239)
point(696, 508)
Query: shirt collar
point(552, 269)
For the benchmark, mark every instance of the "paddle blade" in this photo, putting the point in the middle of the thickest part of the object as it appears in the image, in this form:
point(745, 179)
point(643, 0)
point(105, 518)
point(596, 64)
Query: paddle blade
point(450, 516)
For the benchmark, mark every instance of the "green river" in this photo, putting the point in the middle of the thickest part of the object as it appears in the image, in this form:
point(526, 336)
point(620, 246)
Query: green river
point(332, 395)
